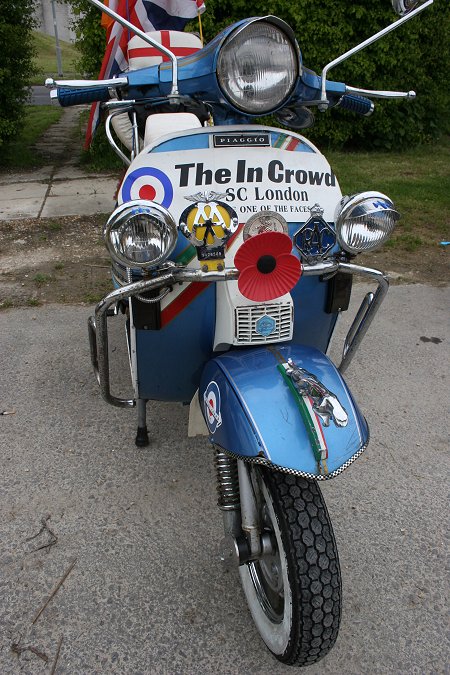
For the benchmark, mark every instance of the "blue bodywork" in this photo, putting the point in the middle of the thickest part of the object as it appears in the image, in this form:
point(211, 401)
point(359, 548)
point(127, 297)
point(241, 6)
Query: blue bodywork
point(258, 418)
point(197, 77)
point(170, 361)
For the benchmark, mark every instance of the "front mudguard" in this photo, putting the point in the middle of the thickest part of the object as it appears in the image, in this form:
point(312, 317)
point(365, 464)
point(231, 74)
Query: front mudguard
point(252, 412)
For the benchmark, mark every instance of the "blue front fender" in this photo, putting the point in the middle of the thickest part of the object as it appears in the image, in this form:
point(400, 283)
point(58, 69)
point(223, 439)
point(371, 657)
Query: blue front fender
point(252, 413)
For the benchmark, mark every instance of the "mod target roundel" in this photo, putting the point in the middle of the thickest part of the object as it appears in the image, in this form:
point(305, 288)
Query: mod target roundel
point(148, 183)
point(211, 402)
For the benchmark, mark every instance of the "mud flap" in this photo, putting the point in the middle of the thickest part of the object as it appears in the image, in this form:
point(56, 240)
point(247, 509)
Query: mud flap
point(256, 409)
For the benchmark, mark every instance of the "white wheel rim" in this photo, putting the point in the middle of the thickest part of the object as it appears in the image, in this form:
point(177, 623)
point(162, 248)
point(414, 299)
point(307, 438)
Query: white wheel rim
point(274, 629)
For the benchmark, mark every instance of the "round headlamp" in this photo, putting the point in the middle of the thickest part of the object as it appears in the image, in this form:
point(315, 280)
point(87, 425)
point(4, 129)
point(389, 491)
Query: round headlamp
point(257, 67)
point(365, 221)
point(140, 234)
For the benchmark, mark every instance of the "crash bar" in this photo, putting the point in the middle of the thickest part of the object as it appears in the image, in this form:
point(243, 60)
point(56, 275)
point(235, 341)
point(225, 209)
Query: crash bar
point(98, 325)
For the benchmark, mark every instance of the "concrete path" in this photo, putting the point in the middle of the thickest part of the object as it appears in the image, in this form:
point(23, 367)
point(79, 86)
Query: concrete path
point(61, 188)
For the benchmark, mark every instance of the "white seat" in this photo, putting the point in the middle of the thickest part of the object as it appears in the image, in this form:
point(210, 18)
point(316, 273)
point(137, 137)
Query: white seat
point(161, 124)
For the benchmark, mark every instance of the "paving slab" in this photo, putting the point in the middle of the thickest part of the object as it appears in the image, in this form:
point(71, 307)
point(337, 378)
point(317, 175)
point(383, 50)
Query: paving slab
point(72, 172)
point(61, 188)
point(22, 200)
point(84, 187)
point(82, 196)
point(44, 173)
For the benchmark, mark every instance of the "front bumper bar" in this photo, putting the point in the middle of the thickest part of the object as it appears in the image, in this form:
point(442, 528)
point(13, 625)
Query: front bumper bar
point(98, 324)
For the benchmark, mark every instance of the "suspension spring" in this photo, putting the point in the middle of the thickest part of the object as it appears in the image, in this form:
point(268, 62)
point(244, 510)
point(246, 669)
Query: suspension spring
point(227, 481)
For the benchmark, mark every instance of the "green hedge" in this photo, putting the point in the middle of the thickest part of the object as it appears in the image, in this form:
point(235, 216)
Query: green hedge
point(16, 63)
point(415, 56)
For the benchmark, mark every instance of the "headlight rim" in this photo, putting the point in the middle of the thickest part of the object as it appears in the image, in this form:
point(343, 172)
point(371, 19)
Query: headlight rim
point(290, 36)
point(348, 205)
point(118, 216)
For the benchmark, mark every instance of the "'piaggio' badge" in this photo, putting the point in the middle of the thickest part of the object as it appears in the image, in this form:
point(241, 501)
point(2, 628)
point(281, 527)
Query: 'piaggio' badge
point(208, 224)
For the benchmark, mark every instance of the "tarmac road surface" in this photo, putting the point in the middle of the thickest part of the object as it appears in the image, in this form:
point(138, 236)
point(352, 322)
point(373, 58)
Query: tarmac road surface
point(147, 592)
point(40, 95)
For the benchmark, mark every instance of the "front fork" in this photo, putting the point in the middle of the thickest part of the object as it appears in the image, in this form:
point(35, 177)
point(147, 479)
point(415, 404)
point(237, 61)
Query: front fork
point(238, 500)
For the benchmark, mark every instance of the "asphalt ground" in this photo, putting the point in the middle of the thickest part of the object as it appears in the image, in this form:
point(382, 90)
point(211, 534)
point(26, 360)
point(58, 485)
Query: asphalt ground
point(39, 95)
point(147, 592)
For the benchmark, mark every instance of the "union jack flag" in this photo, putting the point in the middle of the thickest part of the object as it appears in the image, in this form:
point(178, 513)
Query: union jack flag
point(148, 15)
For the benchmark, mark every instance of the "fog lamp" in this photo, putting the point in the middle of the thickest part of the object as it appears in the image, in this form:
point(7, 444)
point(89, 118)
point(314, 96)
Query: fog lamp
point(365, 221)
point(140, 234)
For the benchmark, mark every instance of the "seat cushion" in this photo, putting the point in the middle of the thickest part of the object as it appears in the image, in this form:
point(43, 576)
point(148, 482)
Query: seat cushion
point(142, 55)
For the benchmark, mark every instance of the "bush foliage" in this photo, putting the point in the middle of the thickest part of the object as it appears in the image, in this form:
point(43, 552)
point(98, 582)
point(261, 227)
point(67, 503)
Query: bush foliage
point(16, 64)
point(415, 56)
point(90, 37)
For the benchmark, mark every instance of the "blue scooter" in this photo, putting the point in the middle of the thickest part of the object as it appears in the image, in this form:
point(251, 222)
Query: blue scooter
point(232, 254)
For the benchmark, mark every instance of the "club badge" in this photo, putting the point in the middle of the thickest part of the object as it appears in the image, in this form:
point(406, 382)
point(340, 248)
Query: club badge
point(315, 238)
point(208, 224)
point(266, 221)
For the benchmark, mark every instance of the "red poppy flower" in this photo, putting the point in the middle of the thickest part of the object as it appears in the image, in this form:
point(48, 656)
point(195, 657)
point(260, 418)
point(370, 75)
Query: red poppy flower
point(267, 269)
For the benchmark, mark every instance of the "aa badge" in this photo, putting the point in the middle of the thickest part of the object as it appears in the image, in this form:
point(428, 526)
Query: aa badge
point(208, 224)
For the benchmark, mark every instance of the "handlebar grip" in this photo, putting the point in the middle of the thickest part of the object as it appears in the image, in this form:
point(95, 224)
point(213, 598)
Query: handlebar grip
point(68, 96)
point(357, 104)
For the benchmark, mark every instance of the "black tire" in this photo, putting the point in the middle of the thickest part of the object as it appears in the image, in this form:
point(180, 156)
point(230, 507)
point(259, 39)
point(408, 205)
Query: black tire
point(294, 595)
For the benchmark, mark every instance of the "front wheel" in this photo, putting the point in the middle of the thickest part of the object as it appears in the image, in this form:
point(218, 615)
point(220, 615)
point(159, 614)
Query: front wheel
point(294, 592)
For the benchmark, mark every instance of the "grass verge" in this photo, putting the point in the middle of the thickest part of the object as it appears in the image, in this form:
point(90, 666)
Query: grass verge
point(20, 153)
point(417, 180)
point(46, 62)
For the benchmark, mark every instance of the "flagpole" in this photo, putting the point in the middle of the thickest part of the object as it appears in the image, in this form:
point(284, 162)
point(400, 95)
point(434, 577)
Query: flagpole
point(200, 27)
point(144, 36)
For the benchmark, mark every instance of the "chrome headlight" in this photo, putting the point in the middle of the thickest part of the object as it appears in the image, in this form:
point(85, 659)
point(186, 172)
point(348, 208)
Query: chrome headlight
point(140, 234)
point(365, 221)
point(258, 66)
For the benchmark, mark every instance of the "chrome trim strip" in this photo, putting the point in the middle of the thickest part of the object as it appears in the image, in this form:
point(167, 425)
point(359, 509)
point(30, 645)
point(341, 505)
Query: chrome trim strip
point(295, 472)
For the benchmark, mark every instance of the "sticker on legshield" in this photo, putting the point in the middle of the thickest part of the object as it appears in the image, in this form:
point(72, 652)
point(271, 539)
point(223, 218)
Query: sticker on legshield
point(148, 183)
point(211, 402)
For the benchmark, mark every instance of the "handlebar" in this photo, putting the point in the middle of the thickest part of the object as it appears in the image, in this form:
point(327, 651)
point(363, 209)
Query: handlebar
point(356, 104)
point(78, 92)
point(67, 96)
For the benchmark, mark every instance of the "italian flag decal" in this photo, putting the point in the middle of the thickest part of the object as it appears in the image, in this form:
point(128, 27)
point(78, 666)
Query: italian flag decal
point(311, 421)
point(285, 142)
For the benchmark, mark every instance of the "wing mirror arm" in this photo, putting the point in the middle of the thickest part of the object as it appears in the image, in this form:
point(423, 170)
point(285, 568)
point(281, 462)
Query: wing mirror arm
point(324, 103)
point(144, 36)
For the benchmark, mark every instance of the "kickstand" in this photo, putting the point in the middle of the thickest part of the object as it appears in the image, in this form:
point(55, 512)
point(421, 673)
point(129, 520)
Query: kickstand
point(142, 433)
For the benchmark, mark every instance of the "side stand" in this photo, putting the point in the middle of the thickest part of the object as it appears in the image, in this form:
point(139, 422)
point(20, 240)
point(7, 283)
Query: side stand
point(142, 433)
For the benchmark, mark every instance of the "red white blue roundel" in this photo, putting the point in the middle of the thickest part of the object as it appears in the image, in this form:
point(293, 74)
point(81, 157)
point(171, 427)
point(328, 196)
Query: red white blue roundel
point(148, 183)
point(211, 402)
